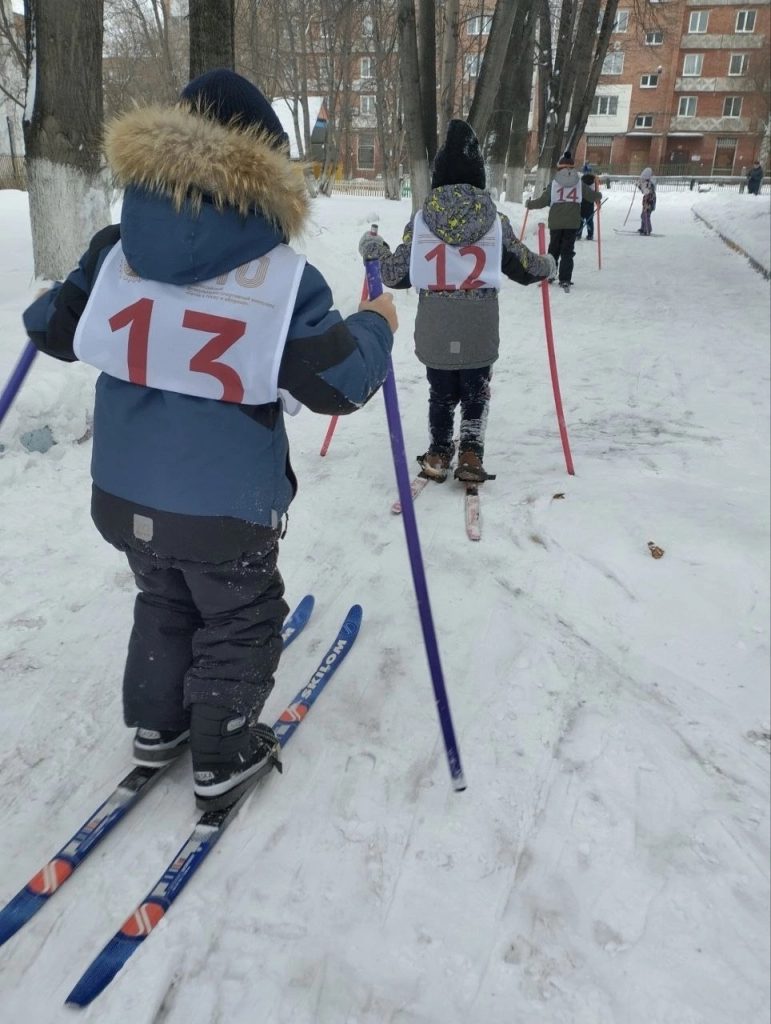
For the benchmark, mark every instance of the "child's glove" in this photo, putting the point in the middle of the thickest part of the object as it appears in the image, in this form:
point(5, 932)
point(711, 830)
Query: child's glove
point(373, 247)
point(552, 265)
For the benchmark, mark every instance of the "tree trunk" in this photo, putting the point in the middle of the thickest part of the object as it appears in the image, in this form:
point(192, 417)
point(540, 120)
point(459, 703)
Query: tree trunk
point(590, 69)
point(492, 69)
point(409, 72)
point(499, 131)
point(559, 87)
point(212, 35)
point(519, 135)
point(450, 35)
point(63, 133)
point(427, 53)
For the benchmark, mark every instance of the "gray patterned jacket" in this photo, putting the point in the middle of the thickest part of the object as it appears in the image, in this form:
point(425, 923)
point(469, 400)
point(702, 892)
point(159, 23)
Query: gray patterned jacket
point(458, 329)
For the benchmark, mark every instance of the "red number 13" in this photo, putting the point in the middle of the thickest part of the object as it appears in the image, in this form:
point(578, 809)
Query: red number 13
point(225, 330)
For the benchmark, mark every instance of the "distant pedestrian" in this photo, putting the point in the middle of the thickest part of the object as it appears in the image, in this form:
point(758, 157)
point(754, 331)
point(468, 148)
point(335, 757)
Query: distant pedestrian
point(755, 178)
point(588, 178)
point(647, 185)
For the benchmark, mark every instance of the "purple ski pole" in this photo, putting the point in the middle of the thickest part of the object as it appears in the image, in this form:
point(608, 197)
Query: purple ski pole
point(16, 379)
point(413, 549)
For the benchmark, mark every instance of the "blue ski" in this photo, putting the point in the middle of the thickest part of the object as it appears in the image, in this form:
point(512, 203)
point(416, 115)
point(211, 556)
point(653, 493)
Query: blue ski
point(204, 836)
point(36, 893)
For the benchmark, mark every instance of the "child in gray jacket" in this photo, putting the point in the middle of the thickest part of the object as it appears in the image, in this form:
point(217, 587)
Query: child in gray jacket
point(455, 251)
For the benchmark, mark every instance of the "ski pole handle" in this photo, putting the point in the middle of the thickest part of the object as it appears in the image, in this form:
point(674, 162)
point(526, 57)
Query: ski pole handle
point(374, 280)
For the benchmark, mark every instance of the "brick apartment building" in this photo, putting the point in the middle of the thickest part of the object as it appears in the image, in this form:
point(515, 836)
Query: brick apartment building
point(685, 92)
point(685, 88)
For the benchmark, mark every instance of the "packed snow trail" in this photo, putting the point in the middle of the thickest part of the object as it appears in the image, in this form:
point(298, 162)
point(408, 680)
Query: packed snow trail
point(608, 863)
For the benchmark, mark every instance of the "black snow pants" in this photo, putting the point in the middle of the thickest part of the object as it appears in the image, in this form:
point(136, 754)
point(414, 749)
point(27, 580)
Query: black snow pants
point(562, 246)
point(447, 388)
point(208, 616)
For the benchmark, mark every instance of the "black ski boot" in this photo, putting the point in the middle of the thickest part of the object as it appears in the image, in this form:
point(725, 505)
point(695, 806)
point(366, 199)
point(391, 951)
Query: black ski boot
point(156, 747)
point(230, 753)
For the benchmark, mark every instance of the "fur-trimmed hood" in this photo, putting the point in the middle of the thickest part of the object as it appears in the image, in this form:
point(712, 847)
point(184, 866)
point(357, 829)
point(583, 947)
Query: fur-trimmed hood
point(172, 152)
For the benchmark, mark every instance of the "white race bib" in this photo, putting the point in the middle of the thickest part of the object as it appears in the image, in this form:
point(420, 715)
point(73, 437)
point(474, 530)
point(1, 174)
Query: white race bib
point(438, 267)
point(565, 193)
point(221, 339)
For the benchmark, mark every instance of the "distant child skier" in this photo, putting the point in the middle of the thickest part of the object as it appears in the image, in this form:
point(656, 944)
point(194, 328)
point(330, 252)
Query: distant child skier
point(589, 179)
point(564, 196)
point(647, 185)
point(455, 251)
point(205, 323)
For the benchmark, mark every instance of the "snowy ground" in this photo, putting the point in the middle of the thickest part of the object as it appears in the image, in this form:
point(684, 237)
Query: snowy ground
point(742, 218)
point(608, 863)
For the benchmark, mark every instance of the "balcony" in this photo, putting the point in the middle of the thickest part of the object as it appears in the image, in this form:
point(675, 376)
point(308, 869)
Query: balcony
point(700, 125)
point(738, 41)
point(732, 84)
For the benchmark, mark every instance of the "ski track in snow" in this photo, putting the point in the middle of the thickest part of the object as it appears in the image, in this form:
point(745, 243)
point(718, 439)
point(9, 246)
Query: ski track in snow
point(608, 863)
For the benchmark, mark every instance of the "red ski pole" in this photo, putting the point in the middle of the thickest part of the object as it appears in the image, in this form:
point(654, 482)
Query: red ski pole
point(552, 357)
point(333, 421)
point(524, 225)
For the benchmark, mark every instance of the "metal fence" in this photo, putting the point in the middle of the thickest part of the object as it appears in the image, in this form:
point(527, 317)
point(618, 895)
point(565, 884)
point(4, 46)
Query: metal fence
point(682, 183)
point(12, 173)
point(366, 187)
point(618, 182)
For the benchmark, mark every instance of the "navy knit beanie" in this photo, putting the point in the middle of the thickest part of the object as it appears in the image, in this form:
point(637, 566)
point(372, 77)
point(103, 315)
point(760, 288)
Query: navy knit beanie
point(566, 160)
point(459, 161)
point(232, 100)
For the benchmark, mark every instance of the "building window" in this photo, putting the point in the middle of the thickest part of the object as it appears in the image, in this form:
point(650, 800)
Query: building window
point(365, 156)
point(738, 64)
point(480, 26)
point(613, 63)
point(698, 21)
point(649, 81)
point(654, 38)
point(732, 106)
point(643, 121)
point(367, 26)
point(604, 106)
point(367, 67)
point(745, 21)
point(621, 21)
point(472, 63)
point(692, 64)
point(366, 105)
point(687, 106)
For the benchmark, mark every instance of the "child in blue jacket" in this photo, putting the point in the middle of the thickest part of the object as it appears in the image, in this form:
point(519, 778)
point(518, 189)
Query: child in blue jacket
point(206, 325)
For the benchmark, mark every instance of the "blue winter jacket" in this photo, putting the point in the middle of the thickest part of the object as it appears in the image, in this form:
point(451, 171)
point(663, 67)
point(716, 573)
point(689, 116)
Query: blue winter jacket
point(201, 199)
